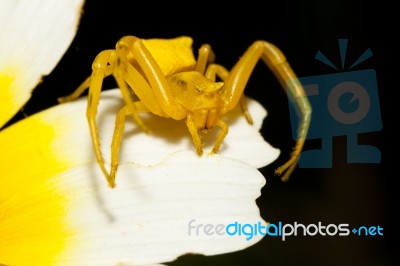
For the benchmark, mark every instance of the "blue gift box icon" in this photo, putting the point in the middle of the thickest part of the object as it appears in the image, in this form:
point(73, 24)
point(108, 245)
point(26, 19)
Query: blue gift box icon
point(344, 104)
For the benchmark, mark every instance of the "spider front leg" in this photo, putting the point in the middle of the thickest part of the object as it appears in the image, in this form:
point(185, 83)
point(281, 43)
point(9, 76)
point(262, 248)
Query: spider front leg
point(99, 72)
point(82, 88)
point(194, 132)
point(238, 77)
point(224, 131)
point(152, 87)
point(213, 71)
point(102, 65)
point(101, 68)
point(118, 134)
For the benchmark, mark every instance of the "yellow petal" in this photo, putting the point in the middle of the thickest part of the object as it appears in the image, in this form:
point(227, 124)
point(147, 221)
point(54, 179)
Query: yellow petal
point(34, 35)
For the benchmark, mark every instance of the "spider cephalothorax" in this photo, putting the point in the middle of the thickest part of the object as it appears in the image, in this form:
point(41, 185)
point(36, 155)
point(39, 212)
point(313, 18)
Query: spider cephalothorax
point(200, 96)
point(202, 101)
point(167, 81)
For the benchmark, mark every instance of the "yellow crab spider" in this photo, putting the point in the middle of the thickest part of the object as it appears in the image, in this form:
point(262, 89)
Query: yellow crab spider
point(190, 92)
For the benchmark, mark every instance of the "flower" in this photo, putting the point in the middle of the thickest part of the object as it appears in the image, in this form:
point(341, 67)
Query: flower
point(55, 205)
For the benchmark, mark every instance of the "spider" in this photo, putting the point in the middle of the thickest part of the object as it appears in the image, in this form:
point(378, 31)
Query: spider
point(186, 89)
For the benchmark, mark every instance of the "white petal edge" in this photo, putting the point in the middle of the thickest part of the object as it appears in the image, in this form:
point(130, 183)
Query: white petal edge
point(145, 220)
point(34, 36)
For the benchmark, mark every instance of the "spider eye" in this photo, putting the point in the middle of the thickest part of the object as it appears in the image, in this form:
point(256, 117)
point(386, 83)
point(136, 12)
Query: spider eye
point(198, 89)
point(182, 84)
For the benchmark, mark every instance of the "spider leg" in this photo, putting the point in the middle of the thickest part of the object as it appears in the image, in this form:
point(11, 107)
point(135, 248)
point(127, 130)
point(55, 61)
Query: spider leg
point(245, 110)
point(156, 91)
point(214, 71)
point(82, 88)
point(206, 56)
point(99, 71)
point(224, 131)
point(276, 62)
point(119, 75)
point(197, 139)
point(118, 134)
point(93, 100)
point(195, 134)
point(117, 139)
point(142, 89)
point(101, 66)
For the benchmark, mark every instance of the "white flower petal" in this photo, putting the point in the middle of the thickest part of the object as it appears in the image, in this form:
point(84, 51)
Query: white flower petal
point(146, 218)
point(51, 180)
point(34, 35)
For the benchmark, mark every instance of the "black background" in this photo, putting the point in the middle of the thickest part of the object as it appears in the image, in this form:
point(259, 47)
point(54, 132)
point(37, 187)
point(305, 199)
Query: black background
point(357, 194)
